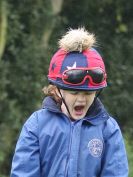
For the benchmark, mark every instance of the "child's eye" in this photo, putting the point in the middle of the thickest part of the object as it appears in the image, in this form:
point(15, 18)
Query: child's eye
point(73, 92)
point(89, 93)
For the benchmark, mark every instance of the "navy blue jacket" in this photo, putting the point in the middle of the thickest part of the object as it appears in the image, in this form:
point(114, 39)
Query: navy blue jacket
point(51, 145)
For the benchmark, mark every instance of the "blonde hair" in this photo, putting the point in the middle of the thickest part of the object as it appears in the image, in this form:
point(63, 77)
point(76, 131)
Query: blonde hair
point(77, 40)
point(51, 90)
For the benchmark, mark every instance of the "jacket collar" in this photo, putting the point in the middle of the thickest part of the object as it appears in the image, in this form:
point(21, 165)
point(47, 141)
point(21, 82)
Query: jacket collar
point(50, 104)
point(96, 114)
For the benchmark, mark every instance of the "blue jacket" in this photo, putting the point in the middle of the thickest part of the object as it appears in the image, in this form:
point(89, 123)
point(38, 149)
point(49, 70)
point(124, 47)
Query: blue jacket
point(50, 145)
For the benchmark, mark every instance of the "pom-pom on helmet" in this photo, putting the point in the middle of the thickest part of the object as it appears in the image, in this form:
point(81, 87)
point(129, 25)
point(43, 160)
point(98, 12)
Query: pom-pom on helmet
point(77, 65)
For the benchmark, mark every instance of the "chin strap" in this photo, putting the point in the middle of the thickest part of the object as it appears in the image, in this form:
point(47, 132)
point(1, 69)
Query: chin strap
point(98, 94)
point(64, 103)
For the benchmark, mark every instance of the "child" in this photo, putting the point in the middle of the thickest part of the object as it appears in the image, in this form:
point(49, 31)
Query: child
point(72, 135)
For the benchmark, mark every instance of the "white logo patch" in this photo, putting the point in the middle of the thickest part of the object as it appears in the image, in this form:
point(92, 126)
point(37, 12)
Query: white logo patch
point(95, 147)
point(73, 66)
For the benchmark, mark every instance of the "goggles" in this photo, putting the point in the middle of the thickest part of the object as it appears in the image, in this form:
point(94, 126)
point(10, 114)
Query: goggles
point(77, 76)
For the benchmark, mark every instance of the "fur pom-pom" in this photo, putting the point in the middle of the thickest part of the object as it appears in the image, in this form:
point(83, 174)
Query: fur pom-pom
point(77, 40)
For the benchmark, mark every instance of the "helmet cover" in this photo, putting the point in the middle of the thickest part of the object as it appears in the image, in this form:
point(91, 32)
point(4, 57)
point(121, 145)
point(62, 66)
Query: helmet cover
point(76, 51)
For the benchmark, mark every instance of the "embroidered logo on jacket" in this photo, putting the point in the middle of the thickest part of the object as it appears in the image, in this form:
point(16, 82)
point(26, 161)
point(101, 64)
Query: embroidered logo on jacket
point(95, 147)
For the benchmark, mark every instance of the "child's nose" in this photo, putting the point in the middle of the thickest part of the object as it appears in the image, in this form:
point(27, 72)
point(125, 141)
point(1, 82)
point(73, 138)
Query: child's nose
point(81, 98)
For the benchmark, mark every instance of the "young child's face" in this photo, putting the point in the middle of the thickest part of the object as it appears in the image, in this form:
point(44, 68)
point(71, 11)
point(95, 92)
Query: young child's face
point(78, 102)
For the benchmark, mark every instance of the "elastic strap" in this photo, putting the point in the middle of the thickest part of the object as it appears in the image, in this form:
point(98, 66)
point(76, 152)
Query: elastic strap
point(98, 94)
point(64, 103)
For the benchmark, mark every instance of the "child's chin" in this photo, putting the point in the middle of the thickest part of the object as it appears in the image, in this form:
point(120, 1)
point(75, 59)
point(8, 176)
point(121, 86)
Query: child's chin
point(77, 117)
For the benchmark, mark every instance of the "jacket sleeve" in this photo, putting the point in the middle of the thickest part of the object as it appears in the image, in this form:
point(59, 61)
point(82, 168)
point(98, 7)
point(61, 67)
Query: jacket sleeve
point(26, 161)
point(114, 163)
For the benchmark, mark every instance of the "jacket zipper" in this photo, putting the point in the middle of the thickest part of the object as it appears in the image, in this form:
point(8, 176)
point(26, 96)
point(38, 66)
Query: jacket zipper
point(69, 148)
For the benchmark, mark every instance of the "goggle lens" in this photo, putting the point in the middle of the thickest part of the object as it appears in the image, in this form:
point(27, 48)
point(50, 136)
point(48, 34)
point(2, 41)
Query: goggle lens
point(78, 76)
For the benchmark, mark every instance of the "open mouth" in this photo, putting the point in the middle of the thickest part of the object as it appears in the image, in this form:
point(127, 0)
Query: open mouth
point(79, 110)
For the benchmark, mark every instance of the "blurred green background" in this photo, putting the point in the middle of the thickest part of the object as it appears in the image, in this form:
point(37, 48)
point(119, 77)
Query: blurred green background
point(29, 31)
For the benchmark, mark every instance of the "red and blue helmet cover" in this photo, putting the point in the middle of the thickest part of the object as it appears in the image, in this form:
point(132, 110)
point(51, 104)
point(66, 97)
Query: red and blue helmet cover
point(63, 60)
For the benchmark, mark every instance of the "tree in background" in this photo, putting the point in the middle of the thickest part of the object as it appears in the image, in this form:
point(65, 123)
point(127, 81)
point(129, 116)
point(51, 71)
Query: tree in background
point(3, 26)
point(28, 37)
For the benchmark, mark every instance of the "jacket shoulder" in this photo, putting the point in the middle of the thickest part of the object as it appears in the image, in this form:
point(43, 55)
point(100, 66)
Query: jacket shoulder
point(111, 127)
point(37, 116)
point(112, 123)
